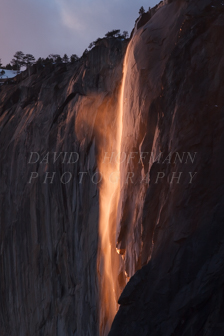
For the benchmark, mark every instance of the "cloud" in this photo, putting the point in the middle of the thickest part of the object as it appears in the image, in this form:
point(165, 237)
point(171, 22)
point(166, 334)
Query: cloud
point(61, 26)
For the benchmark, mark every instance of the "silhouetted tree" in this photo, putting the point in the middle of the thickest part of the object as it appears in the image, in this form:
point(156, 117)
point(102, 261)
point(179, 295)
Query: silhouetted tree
point(58, 59)
point(0, 62)
point(125, 34)
point(65, 58)
point(53, 57)
point(74, 58)
point(40, 63)
point(48, 61)
point(18, 60)
point(91, 45)
point(85, 52)
point(43, 62)
point(8, 66)
point(113, 33)
point(2, 73)
point(141, 10)
point(28, 59)
point(15, 67)
point(94, 43)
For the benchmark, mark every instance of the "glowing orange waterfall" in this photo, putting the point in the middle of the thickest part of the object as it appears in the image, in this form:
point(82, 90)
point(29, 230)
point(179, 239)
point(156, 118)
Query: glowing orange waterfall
point(108, 259)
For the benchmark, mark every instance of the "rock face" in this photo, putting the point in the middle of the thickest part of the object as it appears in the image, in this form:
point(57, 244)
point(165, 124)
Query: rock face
point(170, 215)
point(49, 228)
point(173, 233)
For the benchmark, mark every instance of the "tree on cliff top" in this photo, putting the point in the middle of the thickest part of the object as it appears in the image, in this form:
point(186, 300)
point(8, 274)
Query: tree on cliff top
point(54, 58)
point(113, 33)
point(29, 59)
point(85, 52)
point(65, 58)
point(58, 59)
point(141, 10)
point(74, 58)
point(18, 60)
point(8, 66)
point(94, 43)
point(125, 34)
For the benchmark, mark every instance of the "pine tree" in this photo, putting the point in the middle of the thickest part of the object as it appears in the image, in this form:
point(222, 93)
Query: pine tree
point(40, 63)
point(8, 66)
point(65, 58)
point(74, 58)
point(28, 59)
point(113, 33)
point(141, 10)
point(18, 60)
point(58, 59)
point(47, 61)
point(125, 34)
point(91, 45)
point(53, 57)
point(85, 52)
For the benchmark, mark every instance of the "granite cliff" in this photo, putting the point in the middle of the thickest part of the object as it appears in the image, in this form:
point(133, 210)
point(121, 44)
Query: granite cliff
point(171, 228)
point(49, 195)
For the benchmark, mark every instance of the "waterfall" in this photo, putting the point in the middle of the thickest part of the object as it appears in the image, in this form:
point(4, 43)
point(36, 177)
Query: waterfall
point(109, 260)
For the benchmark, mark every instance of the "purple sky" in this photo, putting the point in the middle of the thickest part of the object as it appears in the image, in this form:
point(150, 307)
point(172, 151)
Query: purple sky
point(42, 27)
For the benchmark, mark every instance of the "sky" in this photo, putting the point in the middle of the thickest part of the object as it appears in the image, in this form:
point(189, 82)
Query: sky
point(43, 27)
